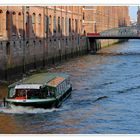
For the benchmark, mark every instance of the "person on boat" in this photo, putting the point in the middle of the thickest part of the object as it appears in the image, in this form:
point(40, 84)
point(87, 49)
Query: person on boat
point(21, 95)
point(49, 93)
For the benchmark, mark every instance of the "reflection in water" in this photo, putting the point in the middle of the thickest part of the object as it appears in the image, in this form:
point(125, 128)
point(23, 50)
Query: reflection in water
point(105, 97)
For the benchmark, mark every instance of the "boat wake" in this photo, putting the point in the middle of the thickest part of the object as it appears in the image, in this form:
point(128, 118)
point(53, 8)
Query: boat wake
point(25, 110)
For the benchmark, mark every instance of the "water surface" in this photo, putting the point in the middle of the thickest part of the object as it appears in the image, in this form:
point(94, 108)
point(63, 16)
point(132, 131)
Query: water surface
point(113, 73)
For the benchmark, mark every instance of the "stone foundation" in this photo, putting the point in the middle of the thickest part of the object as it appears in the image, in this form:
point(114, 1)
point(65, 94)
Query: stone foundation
point(21, 60)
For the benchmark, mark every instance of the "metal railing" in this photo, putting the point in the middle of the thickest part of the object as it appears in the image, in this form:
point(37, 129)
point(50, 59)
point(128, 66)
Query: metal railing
point(122, 31)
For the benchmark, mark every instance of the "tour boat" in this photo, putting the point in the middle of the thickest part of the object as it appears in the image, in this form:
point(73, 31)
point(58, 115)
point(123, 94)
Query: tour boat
point(42, 90)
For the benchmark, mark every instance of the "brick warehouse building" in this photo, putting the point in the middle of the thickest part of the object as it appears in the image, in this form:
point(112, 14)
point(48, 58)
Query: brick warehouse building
point(36, 36)
point(32, 37)
point(100, 18)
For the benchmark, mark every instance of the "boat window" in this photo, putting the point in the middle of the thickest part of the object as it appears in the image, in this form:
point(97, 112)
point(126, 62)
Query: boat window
point(12, 93)
point(44, 92)
point(20, 94)
point(68, 81)
point(65, 85)
point(61, 87)
point(28, 93)
point(58, 89)
point(51, 91)
point(33, 94)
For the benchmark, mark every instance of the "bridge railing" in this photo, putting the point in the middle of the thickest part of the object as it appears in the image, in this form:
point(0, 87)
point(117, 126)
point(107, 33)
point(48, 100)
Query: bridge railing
point(122, 31)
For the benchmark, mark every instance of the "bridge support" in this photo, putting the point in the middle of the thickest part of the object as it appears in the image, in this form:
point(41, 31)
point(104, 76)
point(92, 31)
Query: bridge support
point(95, 45)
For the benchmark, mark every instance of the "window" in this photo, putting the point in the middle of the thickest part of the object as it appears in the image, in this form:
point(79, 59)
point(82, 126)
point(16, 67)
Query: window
point(8, 48)
point(78, 40)
point(14, 23)
point(81, 29)
point(34, 23)
point(27, 44)
point(20, 43)
point(83, 16)
point(1, 47)
point(54, 24)
point(33, 18)
point(14, 44)
point(90, 7)
point(8, 21)
point(27, 18)
point(39, 22)
point(50, 24)
point(27, 24)
point(76, 25)
point(20, 24)
point(1, 14)
point(63, 27)
point(72, 25)
point(46, 24)
point(69, 25)
point(39, 18)
point(59, 24)
point(50, 21)
point(34, 43)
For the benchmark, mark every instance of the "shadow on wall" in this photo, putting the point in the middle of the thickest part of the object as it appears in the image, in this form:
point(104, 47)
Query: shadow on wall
point(28, 47)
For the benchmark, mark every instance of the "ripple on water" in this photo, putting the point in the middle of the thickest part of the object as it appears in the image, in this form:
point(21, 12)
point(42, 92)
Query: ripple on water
point(26, 110)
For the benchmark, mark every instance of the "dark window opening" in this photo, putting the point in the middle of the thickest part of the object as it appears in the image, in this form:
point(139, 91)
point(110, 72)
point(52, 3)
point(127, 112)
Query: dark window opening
point(8, 48)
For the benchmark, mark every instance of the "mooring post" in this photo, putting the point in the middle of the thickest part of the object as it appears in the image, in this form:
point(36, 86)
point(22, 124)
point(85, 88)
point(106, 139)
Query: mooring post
point(4, 101)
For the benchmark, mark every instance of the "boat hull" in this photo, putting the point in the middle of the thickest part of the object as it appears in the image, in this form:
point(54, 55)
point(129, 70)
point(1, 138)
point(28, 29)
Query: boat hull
point(48, 103)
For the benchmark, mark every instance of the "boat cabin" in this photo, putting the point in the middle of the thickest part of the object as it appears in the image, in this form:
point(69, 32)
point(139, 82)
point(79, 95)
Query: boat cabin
point(53, 88)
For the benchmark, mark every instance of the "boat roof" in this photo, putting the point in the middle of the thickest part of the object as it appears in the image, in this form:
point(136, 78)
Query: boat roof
point(56, 81)
point(28, 86)
point(41, 78)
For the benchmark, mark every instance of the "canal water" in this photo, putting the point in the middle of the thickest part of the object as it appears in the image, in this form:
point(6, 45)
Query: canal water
point(105, 97)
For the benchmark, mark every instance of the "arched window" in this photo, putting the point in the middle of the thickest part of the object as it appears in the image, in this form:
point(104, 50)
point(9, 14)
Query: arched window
point(63, 26)
point(46, 24)
point(39, 22)
point(33, 18)
point(14, 23)
point(34, 22)
point(8, 23)
point(7, 48)
point(69, 25)
point(83, 16)
point(27, 25)
point(73, 25)
point(50, 23)
point(59, 24)
point(27, 17)
point(54, 24)
point(20, 24)
point(1, 17)
point(39, 18)
point(81, 27)
point(76, 25)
